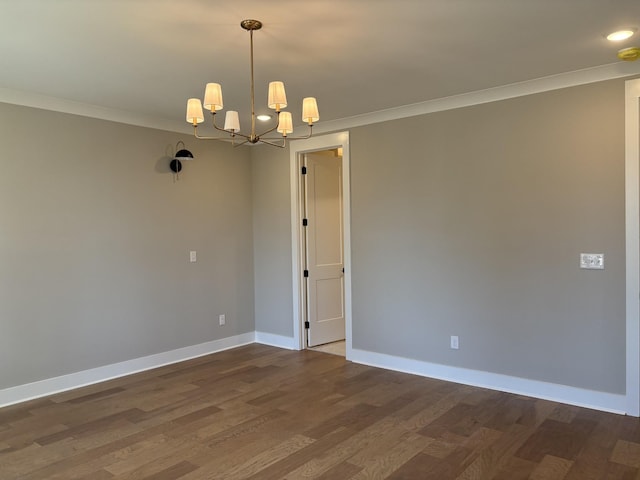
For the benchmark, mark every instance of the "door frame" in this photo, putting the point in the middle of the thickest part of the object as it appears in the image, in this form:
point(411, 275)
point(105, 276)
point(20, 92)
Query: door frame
point(632, 237)
point(297, 149)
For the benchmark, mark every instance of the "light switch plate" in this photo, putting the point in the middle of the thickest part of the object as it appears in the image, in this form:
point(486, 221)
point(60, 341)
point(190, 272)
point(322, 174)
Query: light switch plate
point(592, 261)
point(192, 256)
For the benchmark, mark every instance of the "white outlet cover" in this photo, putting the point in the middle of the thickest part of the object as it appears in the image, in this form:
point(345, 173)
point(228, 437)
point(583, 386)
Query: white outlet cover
point(193, 256)
point(592, 261)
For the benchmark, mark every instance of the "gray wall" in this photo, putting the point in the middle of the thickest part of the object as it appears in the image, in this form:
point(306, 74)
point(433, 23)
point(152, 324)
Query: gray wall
point(94, 243)
point(467, 222)
point(470, 222)
point(272, 241)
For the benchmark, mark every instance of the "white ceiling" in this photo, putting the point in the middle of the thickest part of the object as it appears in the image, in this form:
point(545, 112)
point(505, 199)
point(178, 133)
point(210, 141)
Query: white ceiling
point(147, 57)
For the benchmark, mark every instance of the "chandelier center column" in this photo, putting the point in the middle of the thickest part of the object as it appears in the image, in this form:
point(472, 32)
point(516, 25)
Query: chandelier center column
point(252, 25)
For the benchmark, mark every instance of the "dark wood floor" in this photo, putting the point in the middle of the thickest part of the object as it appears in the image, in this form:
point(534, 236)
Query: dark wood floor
point(265, 413)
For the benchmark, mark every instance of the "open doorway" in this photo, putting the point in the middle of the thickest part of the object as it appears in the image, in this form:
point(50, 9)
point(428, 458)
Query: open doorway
point(320, 206)
point(323, 250)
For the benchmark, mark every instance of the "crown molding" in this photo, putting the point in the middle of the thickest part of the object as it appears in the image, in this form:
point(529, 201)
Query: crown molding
point(504, 92)
point(63, 105)
point(529, 87)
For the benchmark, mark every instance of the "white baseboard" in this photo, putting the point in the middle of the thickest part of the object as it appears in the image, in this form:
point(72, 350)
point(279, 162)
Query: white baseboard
point(275, 340)
point(49, 386)
point(608, 402)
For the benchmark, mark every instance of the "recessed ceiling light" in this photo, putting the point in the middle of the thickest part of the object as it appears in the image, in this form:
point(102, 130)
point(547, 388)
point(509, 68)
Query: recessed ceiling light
point(621, 34)
point(264, 118)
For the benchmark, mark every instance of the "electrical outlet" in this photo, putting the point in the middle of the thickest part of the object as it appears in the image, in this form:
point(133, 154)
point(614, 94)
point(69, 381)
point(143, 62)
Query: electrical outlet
point(193, 256)
point(222, 320)
point(455, 345)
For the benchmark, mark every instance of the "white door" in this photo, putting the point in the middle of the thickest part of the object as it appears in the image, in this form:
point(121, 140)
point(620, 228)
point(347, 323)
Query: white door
point(325, 250)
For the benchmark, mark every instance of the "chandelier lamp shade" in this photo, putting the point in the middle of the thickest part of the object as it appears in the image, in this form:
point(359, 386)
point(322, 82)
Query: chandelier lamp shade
point(276, 100)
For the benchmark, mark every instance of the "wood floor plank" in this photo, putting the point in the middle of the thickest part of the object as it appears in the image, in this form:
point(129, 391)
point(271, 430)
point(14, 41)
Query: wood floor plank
point(551, 468)
point(359, 443)
point(342, 471)
point(268, 457)
point(173, 472)
point(394, 458)
point(142, 453)
point(559, 439)
point(265, 413)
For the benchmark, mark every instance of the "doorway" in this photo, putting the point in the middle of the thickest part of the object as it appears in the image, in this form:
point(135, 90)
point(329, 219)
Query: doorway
point(320, 206)
point(322, 243)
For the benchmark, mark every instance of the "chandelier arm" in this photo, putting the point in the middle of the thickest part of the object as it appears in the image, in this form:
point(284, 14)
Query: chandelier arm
point(240, 144)
point(233, 134)
point(294, 138)
point(224, 139)
point(213, 115)
point(200, 137)
point(270, 130)
point(268, 142)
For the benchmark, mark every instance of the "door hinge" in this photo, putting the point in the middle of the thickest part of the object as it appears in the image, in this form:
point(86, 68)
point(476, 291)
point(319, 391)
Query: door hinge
point(306, 324)
point(304, 170)
point(306, 273)
point(304, 222)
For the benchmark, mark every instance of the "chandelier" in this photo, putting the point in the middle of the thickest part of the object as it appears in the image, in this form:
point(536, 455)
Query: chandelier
point(277, 100)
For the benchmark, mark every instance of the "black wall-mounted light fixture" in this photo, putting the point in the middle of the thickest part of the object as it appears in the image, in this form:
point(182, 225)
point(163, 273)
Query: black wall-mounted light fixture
point(181, 155)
